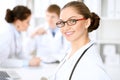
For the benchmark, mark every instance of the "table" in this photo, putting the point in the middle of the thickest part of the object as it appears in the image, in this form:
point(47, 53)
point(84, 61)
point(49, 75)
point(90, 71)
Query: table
point(34, 73)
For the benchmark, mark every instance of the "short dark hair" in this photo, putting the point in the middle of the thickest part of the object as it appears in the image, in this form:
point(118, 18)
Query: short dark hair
point(82, 9)
point(19, 12)
point(53, 8)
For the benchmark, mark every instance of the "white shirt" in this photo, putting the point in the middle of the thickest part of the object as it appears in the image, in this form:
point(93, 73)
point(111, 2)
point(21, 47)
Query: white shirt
point(90, 67)
point(11, 47)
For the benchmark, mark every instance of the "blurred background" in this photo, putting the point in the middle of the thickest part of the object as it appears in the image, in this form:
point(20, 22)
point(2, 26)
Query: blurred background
point(107, 37)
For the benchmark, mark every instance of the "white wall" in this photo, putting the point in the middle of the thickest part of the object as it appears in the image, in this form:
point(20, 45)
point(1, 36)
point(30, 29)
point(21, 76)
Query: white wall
point(4, 5)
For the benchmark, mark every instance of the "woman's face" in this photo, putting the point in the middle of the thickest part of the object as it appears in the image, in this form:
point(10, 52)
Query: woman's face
point(76, 31)
point(23, 25)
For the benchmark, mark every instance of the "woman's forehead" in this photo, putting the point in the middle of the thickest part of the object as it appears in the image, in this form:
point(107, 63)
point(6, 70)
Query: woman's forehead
point(69, 13)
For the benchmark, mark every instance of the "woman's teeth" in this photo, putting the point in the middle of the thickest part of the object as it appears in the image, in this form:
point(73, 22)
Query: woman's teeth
point(69, 33)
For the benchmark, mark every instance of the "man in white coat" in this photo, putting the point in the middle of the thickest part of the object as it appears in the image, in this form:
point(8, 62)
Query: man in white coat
point(47, 41)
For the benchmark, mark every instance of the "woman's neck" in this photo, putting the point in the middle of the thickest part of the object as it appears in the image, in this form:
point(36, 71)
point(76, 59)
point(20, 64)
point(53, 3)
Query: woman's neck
point(15, 25)
point(78, 44)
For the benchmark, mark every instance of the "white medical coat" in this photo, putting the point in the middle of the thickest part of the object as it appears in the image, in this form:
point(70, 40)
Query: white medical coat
point(11, 47)
point(90, 67)
point(47, 47)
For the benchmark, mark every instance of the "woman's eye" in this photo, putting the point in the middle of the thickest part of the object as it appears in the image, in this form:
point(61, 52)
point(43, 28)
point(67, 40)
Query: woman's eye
point(72, 21)
point(59, 23)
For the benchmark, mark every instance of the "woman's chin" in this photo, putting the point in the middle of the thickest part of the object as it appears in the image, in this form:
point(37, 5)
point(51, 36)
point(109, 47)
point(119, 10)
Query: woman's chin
point(69, 39)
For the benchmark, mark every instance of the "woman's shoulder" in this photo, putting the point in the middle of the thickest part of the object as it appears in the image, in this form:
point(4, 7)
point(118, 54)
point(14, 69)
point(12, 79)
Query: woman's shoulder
point(92, 56)
point(91, 65)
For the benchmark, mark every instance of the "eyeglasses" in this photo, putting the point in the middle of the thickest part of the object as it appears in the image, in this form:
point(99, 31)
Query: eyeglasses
point(69, 22)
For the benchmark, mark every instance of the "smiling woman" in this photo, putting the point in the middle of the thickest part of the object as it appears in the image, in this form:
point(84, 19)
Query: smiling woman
point(82, 61)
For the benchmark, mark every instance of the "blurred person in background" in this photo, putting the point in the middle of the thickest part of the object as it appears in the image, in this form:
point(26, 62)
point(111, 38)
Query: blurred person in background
point(47, 41)
point(11, 54)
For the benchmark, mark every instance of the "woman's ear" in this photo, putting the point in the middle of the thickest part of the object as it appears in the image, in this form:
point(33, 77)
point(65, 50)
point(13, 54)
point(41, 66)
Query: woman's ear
point(88, 22)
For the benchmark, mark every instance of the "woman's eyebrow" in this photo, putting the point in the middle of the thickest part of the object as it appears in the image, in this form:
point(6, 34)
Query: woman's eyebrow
point(71, 17)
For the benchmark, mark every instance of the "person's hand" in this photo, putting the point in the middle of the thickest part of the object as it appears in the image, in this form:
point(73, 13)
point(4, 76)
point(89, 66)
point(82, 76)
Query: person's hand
point(34, 62)
point(39, 31)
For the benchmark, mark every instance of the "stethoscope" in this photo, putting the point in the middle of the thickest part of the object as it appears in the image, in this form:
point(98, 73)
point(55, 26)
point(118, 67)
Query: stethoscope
point(70, 77)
